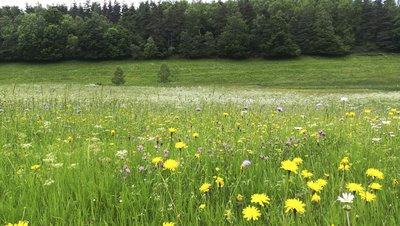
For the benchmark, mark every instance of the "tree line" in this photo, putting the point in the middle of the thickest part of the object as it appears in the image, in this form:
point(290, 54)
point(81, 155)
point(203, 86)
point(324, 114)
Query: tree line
point(232, 29)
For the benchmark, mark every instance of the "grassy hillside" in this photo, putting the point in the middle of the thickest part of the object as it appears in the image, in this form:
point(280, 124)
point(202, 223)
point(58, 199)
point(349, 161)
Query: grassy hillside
point(370, 72)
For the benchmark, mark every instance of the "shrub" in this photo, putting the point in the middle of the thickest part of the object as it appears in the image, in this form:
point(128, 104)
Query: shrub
point(119, 77)
point(164, 73)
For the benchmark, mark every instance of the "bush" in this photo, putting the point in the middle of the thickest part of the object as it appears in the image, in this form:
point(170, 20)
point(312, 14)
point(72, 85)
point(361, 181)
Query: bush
point(119, 77)
point(164, 73)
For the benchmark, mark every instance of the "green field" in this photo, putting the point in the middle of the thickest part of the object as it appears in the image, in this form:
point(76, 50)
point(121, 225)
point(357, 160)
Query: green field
point(352, 72)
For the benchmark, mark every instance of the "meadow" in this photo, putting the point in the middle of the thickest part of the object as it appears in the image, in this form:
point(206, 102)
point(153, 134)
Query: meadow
point(379, 72)
point(102, 155)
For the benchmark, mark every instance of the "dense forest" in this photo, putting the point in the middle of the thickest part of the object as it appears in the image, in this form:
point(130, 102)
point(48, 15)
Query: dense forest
point(232, 29)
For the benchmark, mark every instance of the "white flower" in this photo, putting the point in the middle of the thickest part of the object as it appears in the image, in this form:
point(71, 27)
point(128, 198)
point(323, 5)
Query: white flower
point(344, 99)
point(122, 154)
point(48, 182)
point(346, 198)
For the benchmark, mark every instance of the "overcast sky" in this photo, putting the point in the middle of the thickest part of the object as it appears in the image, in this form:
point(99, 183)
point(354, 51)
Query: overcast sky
point(22, 3)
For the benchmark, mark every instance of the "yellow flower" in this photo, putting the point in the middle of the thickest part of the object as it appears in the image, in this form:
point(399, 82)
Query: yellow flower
point(112, 132)
point(260, 199)
point(197, 155)
point(168, 224)
point(202, 206)
point(225, 114)
point(374, 173)
point(251, 213)
point(70, 139)
point(367, 111)
point(195, 135)
point(321, 182)
point(156, 160)
point(345, 164)
point(298, 161)
point(180, 145)
point(20, 223)
point(350, 114)
point(289, 166)
point(294, 205)
point(354, 187)
point(239, 198)
point(172, 130)
point(314, 186)
point(367, 196)
point(306, 174)
point(35, 167)
point(375, 186)
point(205, 187)
point(220, 182)
point(395, 182)
point(315, 198)
point(171, 164)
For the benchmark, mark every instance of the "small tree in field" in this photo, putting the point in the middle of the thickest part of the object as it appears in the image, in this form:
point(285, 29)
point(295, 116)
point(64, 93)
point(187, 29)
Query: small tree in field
point(119, 77)
point(164, 73)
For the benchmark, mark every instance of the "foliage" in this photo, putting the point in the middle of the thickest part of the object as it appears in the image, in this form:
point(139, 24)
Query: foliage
point(119, 77)
point(164, 74)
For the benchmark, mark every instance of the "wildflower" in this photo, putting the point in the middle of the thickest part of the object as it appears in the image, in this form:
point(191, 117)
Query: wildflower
point(251, 213)
point(367, 111)
point(374, 173)
point(195, 135)
point(350, 114)
point(140, 147)
point(172, 130)
point(228, 215)
point(48, 182)
point(321, 133)
point(346, 198)
point(205, 187)
point(125, 169)
point(260, 199)
point(168, 224)
point(35, 167)
point(375, 186)
point(315, 198)
point(321, 182)
point(239, 198)
point(225, 114)
point(294, 205)
point(354, 187)
point(314, 186)
point(180, 145)
point(197, 155)
point(289, 166)
point(70, 139)
point(279, 109)
point(202, 206)
point(20, 223)
point(122, 154)
point(298, 161)
point(344, 99)
point(156, 160)
point(112, 132)
point(220, 182)
point(395, 182)
point(367, 196)
point(306, 174)
point(345, 164)
point(171, 164)
point(245, 163)
point(141, 168)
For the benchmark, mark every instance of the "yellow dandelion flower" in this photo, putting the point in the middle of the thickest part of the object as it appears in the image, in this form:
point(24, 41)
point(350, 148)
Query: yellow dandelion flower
point(20, 223)
point(295, 205)
point(180, 145)
point(225, 114)
point(156, 160)
point(168, 224)
point(251, 213)
point(239, 198)
point(112, 132)
point(315, 198)
point(395, 182)
point(172, 130)
point(171, 164)
point(375, 186)
point(35, 167)
point(374, 173)
point(220, 182)
point(314, 186)
point(289, 166)
point(306, 174)
point(205, 187)
point(197, 155)
point(367, 111)
point(195, 135)
point(260, 199)
point(321, 182)
point(367, 196)
point(298, 161)
point(354, 187)
point(202, 206)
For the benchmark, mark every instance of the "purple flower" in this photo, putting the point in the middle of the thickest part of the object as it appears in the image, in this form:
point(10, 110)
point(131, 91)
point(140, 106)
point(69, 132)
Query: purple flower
point(125, 169)
point(140, 147)
point(141, 168)
point(245, 163)
point(321, 133)
point(46, 107)
point(166, 152)
point(279, 109)
point(199, 150)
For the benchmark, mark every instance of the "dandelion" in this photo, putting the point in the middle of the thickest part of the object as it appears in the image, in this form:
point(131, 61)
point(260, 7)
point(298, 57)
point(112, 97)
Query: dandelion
point(171, 164)
point(112, 132)
point(314, 186)
point(239, 198)
point(202, 206)
point(375, 186)
point(354, 187)
point(321, 182)
point(20, 223)
point(346, 198)
point(205, 187)
point(367, 196)
point(195, 135)
point(290, 166)
point(35, 167)
point(219, 181)
point(125, 169)
point(345, 164)
point(251, 213)
point(228, 215)
point(260, 199)
point(374, 173)
point(168, 224)
point(156, 160)
point(306, 174)
point(315, 198)
point(172, 130)
point(225, 114)
point(295, 205)
point(298, 161)
point(180, 145)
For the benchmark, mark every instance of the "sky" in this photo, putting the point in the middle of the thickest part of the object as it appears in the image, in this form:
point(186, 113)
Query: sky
point(22, 3)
